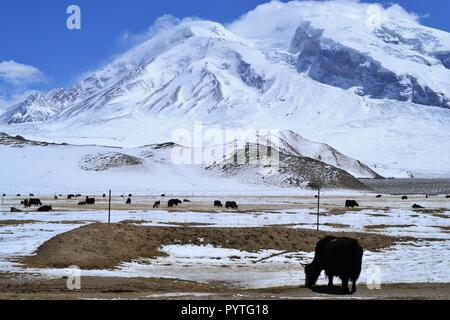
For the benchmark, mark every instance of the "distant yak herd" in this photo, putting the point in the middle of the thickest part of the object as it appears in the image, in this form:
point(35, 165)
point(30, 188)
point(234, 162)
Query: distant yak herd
point(172, 203)
point(30, 202)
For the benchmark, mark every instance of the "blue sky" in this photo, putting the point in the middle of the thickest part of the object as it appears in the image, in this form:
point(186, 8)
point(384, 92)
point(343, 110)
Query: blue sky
point(34, 33)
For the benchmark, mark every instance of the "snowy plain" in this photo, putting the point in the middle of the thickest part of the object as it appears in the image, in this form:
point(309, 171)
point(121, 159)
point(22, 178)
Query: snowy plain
point(420, 261)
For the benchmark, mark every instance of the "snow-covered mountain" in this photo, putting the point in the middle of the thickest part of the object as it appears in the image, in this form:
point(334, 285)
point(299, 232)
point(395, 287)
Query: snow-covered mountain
point(62, 167)
point(369, 81)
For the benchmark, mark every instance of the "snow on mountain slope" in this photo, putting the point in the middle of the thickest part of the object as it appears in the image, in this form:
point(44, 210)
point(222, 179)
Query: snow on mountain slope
point(292, 143)
point(371, 91)
point(288, 143)
point(37, 107)
point(291, 170)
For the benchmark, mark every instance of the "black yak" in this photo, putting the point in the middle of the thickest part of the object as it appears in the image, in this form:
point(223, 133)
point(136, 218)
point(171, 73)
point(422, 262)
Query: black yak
point(187, 201)
point(157, 204)
point(174, 202)
point(218, 204)
point(404, 198)
point(379, 196)
point(351, 204)
point(70, 196)
point(447, 197)
point(15, 210)
point(35, 202)
point(45, 209)
point(339, 257)
point(90, 201)
point(416, 206)
point(128, 202)
point(130, 196)
point(82, 203)
point(56, 197)
point(231, 205)
point(32, 202)
point(163, 195)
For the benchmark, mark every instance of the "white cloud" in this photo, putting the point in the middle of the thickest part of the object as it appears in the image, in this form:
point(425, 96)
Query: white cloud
point(340, 15)
point(164, 22)
point(16, 74)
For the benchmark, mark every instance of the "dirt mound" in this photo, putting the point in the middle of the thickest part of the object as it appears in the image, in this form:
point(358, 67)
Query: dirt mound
point(103, 246)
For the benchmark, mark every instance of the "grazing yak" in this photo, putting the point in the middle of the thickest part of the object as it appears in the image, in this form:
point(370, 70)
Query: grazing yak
point(231, 205)
point(56, 197)
point(174, 202)
point(218, 204)
point(447, 197)
point(32, 202)
point(45, 209)
point(379, 196)
point(404, 198)
point(416, 206)
point(351, 204)
point(128, 202)
point(18, 195)
point(82, 203)
point(15, 210)
point(339, 257)
point(31, 195)
point(70, 196)
point(157, 204)
point(104, 195)
point(90, 201)
point(130, 196)
point(163, 195)
point(187, 201)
